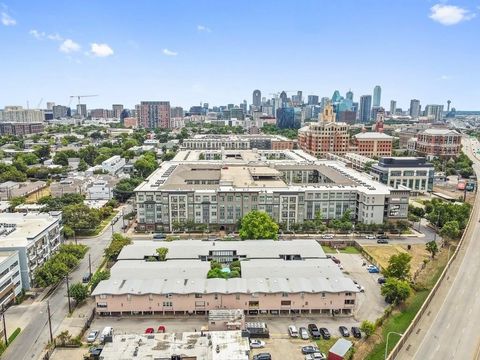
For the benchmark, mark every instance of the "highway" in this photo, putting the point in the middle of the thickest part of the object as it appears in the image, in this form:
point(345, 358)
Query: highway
point(450, 327)
point(33, 339)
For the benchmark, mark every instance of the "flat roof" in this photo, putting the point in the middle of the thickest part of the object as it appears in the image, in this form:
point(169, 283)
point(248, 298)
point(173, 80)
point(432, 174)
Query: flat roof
point(373, 135)
point(315, 284)
point(290, 268)
point(183, 269)
point(231, 345)
point(26, 227)
point(251, 249)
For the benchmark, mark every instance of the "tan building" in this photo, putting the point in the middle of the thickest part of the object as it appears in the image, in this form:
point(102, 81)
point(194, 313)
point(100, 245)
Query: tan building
point(439, 143)
point(277, 277)
point(326, 136)
point(130, 122)
point(373, 144)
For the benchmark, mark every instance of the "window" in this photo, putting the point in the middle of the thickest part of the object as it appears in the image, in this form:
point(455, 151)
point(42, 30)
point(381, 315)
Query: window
point(198, 296)
point(284, 294)
point(348, 294)
point(323, 294)
point(167, 304)
point(286, 303)
point(350, 302)
point(103, 296)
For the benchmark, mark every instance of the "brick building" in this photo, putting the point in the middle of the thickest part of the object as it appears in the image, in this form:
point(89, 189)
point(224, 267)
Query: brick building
point(443, 143)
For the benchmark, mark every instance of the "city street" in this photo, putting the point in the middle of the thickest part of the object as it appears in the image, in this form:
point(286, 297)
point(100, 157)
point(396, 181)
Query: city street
point(33, 339)
point(449, 327)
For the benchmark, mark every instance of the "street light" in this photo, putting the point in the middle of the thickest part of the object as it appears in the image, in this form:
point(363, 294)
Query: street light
point(386, 344)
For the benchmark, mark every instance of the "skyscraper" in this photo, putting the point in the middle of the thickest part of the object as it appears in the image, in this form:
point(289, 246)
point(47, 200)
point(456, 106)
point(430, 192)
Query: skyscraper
point(435, 112)
point(365, 108)
point(82, 110)
point(286, 118)
point(393, 107)
point(117, 110)
point(257, 98)
point(377, 95)
point(154, 114)
point(349, 95)
point(283, 98)
point(312, 99)
point(414, 108)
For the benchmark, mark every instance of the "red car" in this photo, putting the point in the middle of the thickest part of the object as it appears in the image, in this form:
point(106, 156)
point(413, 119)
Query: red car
point(149, 331)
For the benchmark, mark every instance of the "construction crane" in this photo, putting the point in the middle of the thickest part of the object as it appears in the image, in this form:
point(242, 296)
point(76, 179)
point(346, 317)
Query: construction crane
point(79, 97)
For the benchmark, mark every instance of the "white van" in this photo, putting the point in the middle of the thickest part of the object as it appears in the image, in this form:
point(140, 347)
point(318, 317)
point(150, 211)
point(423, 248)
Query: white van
point(107, 334)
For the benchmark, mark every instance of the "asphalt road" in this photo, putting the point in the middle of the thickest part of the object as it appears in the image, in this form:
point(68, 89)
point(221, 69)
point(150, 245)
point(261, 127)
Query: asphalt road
point(449, 329)
point(33, 339)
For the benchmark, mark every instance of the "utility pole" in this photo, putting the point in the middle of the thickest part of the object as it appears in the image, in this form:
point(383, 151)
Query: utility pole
point(49, 321)
point(4, 326)
point(123, 220)
point(90, 264)
point(68, 296)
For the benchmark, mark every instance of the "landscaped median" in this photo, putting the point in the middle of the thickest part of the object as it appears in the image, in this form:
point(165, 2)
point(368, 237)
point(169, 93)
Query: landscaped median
point(12, 337)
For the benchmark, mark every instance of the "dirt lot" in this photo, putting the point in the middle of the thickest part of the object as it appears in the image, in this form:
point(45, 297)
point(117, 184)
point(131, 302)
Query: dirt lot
point(383, 252)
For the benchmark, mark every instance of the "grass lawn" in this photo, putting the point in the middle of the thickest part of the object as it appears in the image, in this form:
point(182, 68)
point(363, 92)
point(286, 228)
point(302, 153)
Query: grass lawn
point(347, 250)
point(325, 345)
point(398, 322)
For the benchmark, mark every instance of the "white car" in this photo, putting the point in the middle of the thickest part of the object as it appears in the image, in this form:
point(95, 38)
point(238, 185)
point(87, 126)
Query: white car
point(256, 344)
point(370, 237)
point(361, 288)
point(292, 331)
point(327, 236)
point(92, 335)
point(315, 356)
point(303, 333)
point(340, 266)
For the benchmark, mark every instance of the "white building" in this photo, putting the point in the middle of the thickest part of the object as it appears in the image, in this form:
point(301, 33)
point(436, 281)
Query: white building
point(18, 114)
point(10, 279)
point(34, 236)
point(99, 190)
point(113, 165)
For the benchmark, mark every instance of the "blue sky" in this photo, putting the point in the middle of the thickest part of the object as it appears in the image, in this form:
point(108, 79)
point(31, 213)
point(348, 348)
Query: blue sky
point(220, 51)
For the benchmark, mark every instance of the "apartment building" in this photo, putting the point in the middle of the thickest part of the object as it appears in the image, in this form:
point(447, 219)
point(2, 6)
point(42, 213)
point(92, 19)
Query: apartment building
point(291, 186)
point(13, 128)
point(442, 143)
point(277, 277)
point(113, 164)
point(35, 236)
point(17, 114)
point(373, 144)
point(238, 142)
point(10, 279)
point(413, 172)
point(319, 139)
point(154, 114)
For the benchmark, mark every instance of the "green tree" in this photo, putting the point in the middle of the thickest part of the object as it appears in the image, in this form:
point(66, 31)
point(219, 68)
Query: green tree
point(18, 200)
point(258, 225)
point(451, 230)
point(99, 276)
point(80, 217)
point(82, 165)
point(162, 253)
point(399, 266)
point(432, 248)
point(116, 245)
point(79, 292)
point(367, 327)
point(145, 165)
point(124, 188)
point(395, 291)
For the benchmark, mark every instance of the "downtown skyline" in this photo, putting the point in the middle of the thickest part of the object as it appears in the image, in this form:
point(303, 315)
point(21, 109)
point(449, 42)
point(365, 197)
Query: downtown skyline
point(216, 53)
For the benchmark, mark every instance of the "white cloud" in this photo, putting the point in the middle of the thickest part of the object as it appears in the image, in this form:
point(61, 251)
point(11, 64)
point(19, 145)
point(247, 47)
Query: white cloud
point(100, 50)
point(69, 46)
point(37, 34)
point(450, 14)
point(169, 52)
point(203, 28)
point(40, 35)
point(7, 20)
point(445, 77)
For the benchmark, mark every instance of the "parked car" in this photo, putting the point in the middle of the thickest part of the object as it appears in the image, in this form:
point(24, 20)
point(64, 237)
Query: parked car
point(315, 356)
point(381, 280)
point(262, 356)
point(309, 349)
point(159, 236)
point(344, 331)
point(370, 237)
point(356, 332)
point(373, 270)
point(325, 333)
point(382, 241)
point(313, 330)
point(383, 236)
point(327, 236)
point(149, 330)
point(340, 266)
point(86, 278)
point(360, 288)
point(92, 335)
point(292, 331)
point(335, 260)
point(256, 344)
point(303, 333)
